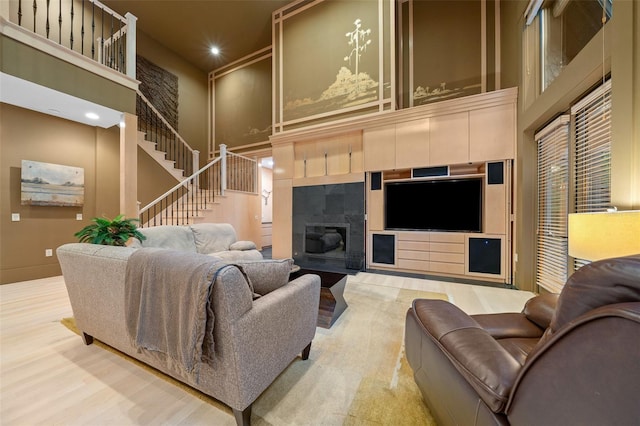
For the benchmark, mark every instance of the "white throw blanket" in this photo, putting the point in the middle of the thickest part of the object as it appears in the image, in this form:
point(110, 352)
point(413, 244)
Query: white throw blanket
point(168, 304)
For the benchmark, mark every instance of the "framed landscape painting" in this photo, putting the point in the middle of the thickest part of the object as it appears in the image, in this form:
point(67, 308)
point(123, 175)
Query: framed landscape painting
point(45, 184)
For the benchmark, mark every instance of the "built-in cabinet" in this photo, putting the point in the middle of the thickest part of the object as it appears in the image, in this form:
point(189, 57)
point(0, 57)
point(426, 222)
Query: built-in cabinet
point(471, 136)
point(477, 135)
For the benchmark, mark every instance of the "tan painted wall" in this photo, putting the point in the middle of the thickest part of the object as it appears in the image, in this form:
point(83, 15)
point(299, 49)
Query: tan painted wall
point(28, 135)
point(192, 92)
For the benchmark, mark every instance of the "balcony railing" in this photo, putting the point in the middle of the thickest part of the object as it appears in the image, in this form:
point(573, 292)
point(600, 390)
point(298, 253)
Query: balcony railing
point(86, 27)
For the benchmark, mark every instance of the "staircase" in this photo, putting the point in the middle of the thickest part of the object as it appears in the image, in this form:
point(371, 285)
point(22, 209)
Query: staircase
point(199, 193)
point(160, 157)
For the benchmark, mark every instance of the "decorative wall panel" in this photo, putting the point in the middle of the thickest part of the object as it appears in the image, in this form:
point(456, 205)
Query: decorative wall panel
point(332, 60)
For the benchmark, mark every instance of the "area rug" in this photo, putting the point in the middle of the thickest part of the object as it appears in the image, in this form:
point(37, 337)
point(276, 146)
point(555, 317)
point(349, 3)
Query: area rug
point(357, 373)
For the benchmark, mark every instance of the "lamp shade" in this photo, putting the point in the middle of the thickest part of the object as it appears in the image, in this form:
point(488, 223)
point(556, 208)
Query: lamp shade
point(595, 236)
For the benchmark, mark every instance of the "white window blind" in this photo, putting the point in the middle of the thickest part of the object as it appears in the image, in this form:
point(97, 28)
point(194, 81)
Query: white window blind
point(553, 202)
point(592, 117)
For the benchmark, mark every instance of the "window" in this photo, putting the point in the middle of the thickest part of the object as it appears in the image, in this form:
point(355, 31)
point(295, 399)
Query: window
point(565, 27)
point(553, 204)
point(592, 117)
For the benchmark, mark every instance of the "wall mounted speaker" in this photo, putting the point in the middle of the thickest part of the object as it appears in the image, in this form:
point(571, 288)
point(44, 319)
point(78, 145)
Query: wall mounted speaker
point(430, 171)
point(384, 248)
point(376, 181)
point(495, 173)
point(485, 255)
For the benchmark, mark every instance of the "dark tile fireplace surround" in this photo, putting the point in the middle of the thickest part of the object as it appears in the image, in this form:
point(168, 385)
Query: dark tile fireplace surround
point(328, 227)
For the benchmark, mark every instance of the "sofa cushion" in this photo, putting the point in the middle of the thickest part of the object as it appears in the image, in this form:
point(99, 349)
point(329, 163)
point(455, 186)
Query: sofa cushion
point(170, 237)
point(268, 275)
point(213, 237)
point(243, 245)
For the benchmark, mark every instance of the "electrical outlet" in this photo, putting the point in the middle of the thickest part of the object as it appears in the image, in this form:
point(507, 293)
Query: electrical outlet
point(48, 252)
point(15, 217)
point(79, 216)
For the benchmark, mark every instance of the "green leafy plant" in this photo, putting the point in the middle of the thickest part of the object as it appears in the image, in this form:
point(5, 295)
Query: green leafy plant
point(107, 232)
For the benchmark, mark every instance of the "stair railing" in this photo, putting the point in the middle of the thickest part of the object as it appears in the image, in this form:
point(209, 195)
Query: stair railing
point(89, 28)
point(184, 201)
point(158, 130)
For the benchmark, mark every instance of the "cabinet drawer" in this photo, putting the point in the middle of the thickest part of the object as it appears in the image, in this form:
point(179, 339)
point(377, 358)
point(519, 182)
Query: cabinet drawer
point(413, 245)
point(414, 255)
point(447, 257)
point(416, 265)
point(413, 236)
point(447, 268)
point(446, 237)
point(447, 248)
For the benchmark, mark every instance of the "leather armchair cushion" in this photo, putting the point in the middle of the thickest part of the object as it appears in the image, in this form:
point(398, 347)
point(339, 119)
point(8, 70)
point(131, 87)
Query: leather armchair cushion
point(597, 284)
point(488, 367)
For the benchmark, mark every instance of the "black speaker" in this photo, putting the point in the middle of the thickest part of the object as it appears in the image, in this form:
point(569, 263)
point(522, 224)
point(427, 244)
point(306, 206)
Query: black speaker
point(485, 255)
point(383, 250)
point(431, 171)
point(376, 181)
point(495, 173)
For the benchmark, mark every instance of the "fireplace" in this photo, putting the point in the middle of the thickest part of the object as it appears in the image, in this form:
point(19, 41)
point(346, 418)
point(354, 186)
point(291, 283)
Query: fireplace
point(328, 227)
point(326, 239)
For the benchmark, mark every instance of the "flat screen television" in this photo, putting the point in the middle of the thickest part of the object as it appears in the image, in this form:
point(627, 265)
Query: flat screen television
point(453, 205)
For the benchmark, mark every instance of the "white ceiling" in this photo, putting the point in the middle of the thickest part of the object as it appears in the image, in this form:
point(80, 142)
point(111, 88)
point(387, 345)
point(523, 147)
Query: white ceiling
point(25, 94)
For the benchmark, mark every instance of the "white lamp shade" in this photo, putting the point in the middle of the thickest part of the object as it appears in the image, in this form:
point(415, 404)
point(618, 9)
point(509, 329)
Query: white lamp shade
point(595, 236)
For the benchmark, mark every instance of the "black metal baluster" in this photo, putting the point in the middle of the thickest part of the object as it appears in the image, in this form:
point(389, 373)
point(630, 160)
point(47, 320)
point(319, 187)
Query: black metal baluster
point(111, 46)
point(71, 27)
point(82, 31)
point(35, 9)
point(59, 21)
point(102, 37)
point(119, 47)
point(19, 13)
point(47, 26)
point(93, 31)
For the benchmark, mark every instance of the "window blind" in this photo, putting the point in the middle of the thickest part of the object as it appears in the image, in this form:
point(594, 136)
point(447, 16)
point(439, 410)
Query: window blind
point(553, 202)
point(592, 169)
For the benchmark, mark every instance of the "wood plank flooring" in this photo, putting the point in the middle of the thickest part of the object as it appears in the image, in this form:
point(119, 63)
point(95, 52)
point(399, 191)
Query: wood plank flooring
point(48, 376)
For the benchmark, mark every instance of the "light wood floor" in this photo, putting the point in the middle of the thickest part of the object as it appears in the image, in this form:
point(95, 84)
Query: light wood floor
point(48, 376)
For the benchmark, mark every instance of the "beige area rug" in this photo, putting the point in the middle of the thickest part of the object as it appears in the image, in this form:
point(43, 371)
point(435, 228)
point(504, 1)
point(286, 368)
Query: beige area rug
point(356, 374)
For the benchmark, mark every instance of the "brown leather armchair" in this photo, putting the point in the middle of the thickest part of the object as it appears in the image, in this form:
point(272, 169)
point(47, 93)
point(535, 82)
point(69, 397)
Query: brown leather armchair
point(568, 359)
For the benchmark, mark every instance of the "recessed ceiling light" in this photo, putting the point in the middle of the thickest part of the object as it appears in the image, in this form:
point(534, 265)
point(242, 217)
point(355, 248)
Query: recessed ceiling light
point(215, 50)
point(92, 116)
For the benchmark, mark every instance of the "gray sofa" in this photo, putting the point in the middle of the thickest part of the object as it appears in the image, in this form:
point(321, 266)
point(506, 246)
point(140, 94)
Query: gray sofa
point(251, 321)
point(213, 239)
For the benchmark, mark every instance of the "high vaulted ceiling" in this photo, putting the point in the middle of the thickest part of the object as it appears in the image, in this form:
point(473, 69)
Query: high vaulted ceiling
point(189, 28)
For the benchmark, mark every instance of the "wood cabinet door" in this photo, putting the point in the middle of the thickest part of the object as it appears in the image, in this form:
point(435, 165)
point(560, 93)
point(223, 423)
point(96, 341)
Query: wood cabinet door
point(492, 133)
point(412, 144)
point(379, 146)
point(449, 139)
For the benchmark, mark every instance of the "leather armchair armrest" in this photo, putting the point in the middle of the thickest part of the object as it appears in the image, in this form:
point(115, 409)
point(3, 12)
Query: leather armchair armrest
point(540, 309)
point(508, 325)
point(477, 356)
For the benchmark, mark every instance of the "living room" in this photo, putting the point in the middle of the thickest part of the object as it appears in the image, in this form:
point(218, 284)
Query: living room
point(301, 156)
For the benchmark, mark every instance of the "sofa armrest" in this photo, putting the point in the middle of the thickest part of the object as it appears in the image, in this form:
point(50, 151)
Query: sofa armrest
point(243, 245)
point(271, 334)
point(475, 354)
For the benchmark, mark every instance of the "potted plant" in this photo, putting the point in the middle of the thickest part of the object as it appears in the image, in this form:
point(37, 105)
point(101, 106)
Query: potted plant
point(107, 232)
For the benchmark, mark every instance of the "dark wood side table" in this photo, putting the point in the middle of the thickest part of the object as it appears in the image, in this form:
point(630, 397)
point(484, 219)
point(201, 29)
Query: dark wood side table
point(332, 302)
